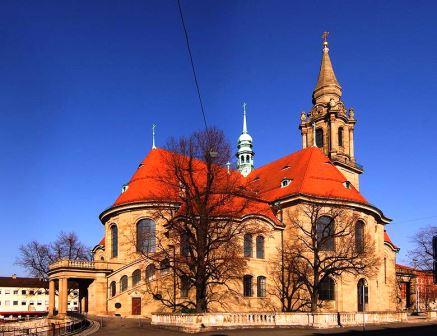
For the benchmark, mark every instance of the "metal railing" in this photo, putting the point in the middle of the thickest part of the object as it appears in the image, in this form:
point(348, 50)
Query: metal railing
point(50, 329)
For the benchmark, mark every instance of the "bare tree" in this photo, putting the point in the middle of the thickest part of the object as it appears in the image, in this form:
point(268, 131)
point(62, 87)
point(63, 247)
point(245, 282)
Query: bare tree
point(35, 257)
point(421, 255)
point(287, 284)
point(326, 241)
point(202, 245)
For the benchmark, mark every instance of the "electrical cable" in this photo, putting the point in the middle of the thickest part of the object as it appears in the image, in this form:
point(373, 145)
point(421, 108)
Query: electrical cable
point(192, 65)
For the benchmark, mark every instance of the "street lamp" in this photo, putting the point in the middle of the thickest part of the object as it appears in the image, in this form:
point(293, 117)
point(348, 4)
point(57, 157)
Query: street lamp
point(174, 276)
point(417, 286)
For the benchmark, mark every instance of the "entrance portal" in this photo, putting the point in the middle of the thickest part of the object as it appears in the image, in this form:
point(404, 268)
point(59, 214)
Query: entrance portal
point(136, 306)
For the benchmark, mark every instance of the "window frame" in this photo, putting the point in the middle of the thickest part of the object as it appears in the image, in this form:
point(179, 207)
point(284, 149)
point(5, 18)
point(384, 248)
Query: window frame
point(248, 245)
point(114, 240)
point(260, 247)
point(124, 283)
point(136, 277)
point(327, 289)
point(261, 286)
point(146, 235)
point(248, 285)
point(325, 236)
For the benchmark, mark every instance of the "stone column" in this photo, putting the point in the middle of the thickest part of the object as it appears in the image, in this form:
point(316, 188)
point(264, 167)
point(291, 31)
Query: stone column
point(351, 143)
point(63, 297)
point(51, 297)
point(333, 143)
point(304, 138)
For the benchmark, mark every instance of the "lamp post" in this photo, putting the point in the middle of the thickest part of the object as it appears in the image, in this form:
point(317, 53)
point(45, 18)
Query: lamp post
point(174, 276)
point(417, 287)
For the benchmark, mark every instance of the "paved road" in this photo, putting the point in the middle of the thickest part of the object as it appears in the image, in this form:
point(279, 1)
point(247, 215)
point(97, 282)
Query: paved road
point(133, 327)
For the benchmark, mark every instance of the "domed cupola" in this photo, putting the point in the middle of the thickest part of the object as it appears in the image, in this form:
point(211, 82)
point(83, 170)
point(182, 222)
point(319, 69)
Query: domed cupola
point(245, 151)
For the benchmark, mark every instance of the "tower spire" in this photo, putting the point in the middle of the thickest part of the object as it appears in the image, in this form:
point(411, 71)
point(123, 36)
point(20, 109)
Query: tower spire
point(153, 136)
point(245, 152)
point(327, 86)
point(244, 118)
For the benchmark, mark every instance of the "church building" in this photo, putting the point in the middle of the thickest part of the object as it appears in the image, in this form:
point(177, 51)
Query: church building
point(324, 170)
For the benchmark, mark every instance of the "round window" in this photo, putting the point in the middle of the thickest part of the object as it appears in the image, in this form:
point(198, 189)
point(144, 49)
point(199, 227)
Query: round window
point(118, 305)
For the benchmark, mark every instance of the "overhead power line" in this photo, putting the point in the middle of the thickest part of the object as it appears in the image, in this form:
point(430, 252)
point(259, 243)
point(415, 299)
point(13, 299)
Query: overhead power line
point(192, 65)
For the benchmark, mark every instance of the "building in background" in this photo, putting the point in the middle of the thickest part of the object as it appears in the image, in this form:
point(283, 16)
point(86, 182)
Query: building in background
point(416, 286)
point(28, 296)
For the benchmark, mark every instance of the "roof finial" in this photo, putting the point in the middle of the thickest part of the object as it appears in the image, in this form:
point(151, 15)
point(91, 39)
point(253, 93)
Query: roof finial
point(153, 136)
point(244, 118)
point(325, 41)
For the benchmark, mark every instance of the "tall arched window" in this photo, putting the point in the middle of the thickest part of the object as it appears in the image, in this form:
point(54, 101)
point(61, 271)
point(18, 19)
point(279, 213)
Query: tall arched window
point(123, 283)
point(185, 286)
point(150, 272)
point(340, 136)
point(327, 289)
point(136, 277)
point(325, 233)
point(113, 288)
point(362, 294)
point(248, 245)
point(359, 236)
point(247, 285)
point(146, 236)
point(114, 241)
point(319, 138)
point(260, 247)
point(261, 286)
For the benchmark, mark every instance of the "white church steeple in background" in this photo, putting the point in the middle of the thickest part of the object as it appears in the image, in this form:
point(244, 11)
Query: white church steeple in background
point(245, 151)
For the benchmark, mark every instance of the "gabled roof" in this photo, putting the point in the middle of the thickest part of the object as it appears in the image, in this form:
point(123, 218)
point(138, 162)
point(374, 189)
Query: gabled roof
point(310, 173)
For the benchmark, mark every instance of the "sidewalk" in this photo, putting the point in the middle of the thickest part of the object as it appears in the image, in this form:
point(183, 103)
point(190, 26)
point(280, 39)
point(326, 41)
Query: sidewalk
point(136, 327)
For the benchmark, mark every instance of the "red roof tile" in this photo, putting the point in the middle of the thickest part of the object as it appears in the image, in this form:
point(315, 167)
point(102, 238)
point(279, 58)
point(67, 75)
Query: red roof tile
point(388, 241)
point(311, 173)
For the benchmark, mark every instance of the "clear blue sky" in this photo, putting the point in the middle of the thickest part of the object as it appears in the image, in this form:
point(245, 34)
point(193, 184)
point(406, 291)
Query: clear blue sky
point(81, 82)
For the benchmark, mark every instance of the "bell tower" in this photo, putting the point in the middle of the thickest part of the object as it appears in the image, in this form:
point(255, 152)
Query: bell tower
point(329, 125)
point(245, 151)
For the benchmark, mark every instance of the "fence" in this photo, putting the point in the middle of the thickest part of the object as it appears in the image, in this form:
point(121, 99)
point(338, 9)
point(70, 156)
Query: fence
point(198, 322)
point(50, 329)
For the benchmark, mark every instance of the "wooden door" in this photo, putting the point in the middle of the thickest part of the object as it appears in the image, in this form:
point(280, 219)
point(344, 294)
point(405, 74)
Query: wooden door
point(136, 306)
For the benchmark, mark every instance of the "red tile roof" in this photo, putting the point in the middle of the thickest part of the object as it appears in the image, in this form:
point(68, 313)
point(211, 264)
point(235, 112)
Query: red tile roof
point(21, 282)
point(102, 242)
point(388, 241)
point(311, 173)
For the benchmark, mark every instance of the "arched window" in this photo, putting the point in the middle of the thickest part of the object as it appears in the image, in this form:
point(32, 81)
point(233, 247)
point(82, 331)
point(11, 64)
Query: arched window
point(248, 245)
point(114, 241)
point(146, 239)
point(185, 286)
point(327, 289)
point(260, 247)
point(325, 233)
point(261, 286)
point(247, 159)
point(123, 283)
point(136, 277)
point(319, 138)
point(362, 294)
point(340, 136)
point(247, 285)
point(150, 272)
point(113, 288)
point(359, 236)
point(242, 158)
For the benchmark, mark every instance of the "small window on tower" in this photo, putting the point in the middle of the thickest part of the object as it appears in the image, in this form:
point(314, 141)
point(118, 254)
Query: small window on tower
point(319, 137)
